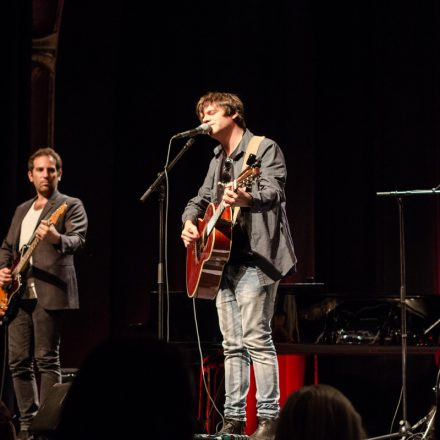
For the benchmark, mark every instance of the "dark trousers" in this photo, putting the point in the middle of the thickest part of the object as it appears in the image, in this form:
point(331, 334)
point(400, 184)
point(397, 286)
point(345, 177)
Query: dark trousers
point(34, 342)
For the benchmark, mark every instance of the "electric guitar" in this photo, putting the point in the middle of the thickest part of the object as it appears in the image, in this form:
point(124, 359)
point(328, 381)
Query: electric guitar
point(10, 294)
point(206, 257)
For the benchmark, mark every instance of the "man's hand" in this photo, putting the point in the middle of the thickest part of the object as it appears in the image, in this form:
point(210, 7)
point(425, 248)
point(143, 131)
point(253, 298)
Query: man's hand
point(189, 233)
point(5, 276)
point(236, 198)
point(49, 233)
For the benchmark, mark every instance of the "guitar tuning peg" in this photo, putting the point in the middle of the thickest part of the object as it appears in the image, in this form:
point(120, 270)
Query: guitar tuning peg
point(251, 160)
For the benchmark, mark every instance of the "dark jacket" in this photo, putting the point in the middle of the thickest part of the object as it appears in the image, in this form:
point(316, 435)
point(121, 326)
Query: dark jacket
point(52, 267)
point(266, 221)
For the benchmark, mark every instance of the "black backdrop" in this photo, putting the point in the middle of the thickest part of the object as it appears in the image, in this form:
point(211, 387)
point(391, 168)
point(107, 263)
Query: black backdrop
point(348, 89)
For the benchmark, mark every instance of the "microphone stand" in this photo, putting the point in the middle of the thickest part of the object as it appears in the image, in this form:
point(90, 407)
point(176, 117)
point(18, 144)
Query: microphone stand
point(158, 186)
point(404, 425)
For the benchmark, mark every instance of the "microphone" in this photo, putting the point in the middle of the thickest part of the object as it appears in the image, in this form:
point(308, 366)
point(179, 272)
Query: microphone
point(201, 129)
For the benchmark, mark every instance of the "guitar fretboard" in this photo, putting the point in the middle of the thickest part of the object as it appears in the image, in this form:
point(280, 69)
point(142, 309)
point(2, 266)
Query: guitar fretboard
point(245, 177)
point(217, 214)
point(24, 260)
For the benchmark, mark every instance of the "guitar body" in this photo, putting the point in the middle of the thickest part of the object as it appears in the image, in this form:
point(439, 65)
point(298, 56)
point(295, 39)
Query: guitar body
point(8, 296)
point(206, 258)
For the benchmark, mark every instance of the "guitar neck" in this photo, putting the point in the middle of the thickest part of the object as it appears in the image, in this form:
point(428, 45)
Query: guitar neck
point(247, 175)
point(24, 260)
point(213, 220)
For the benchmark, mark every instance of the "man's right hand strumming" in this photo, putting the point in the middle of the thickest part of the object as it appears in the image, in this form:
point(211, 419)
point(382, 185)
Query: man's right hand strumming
point(5, 276)
point(189, 233)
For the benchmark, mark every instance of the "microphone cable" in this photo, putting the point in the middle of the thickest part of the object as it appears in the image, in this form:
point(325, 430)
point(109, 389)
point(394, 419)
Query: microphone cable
point(199, 345)
point(2, 379)
point(167, 286)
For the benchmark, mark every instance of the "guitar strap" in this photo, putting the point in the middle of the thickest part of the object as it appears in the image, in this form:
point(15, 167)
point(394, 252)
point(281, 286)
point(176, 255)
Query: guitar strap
point(252, 148)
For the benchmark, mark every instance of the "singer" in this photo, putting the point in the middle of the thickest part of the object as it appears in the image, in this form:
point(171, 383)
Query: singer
point(262, 253)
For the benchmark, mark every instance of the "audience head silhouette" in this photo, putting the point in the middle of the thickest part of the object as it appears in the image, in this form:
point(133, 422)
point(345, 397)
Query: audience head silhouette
point(319, 412)
point(127, 388)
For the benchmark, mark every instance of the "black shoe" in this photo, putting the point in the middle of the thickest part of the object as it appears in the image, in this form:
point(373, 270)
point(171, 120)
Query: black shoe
point(24, 435)
point(232, 426)
point(265, 429)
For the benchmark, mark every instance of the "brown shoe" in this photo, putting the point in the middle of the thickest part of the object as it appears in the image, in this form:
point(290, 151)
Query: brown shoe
point(232, 426)
point(265, 429)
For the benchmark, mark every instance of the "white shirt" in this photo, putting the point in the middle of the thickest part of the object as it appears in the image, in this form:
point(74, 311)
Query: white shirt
point(28, 226)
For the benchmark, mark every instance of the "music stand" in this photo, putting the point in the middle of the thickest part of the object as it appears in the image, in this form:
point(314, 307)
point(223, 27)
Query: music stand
point(399, 195)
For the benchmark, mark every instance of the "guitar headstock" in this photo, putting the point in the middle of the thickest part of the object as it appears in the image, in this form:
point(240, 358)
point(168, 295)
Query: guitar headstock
point(249, 174)
point(57, 213)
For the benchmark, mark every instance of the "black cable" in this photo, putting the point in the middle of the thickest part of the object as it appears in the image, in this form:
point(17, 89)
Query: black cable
point(2, 380)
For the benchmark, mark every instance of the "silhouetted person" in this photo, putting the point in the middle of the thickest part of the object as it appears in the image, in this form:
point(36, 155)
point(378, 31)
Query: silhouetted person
point(319, 412)
point(131, 387)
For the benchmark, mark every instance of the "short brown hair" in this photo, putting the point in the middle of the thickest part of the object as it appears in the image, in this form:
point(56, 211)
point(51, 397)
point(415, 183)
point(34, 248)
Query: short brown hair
point(45, 152)
point(230, 102)
point(338, 419)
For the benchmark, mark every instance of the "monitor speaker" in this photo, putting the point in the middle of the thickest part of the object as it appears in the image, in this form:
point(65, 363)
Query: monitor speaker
point(47, 418)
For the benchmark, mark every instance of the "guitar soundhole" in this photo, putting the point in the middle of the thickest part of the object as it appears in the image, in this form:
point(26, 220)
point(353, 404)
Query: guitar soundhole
point(200, 245)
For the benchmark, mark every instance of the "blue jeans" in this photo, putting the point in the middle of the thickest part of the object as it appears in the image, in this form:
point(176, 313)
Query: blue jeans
point(245, 309)
point(34, 337)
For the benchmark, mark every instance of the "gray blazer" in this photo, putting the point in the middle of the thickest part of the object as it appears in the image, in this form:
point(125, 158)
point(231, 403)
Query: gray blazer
point(266, 221)
point(52, 267)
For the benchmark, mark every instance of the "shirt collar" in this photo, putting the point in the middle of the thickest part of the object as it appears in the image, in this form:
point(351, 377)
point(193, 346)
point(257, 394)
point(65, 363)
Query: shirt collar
point(241, 147)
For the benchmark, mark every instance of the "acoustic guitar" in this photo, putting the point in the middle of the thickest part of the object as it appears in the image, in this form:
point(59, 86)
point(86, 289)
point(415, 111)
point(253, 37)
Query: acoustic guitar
point(206, 257)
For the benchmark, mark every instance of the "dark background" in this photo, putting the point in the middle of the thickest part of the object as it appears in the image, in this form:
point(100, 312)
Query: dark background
point(348, 89)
